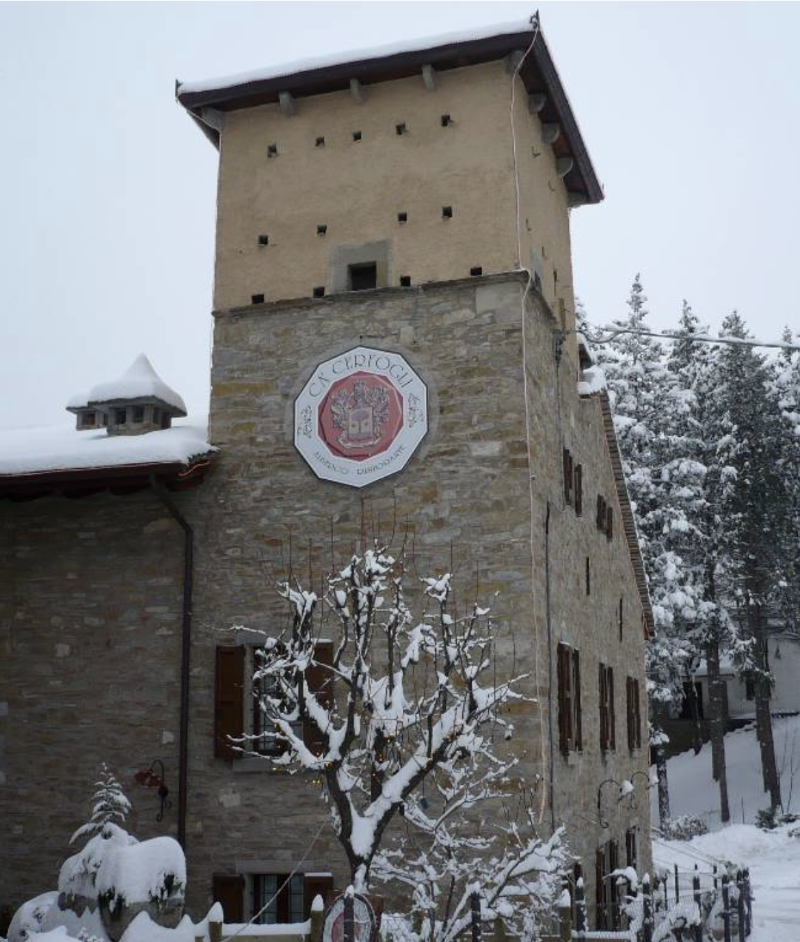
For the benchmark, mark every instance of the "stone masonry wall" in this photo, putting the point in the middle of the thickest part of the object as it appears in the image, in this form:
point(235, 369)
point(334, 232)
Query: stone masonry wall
point(90, 620)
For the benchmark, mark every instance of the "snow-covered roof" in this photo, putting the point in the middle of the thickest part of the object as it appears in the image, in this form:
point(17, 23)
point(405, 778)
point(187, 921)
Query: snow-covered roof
point(321, 75)
point(62, 448)
point(313, 63)
point(139, 381)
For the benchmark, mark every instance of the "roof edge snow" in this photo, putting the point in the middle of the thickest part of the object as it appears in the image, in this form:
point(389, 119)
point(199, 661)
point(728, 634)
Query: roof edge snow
point(405, 59)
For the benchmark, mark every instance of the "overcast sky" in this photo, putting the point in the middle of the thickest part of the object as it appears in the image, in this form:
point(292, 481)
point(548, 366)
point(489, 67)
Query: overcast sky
point(690, 112)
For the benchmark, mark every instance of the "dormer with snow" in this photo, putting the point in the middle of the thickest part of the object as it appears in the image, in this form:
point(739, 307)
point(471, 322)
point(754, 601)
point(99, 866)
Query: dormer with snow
point(136, 403)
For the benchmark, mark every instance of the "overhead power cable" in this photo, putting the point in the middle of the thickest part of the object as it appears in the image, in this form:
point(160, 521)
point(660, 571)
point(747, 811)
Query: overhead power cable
point(611, 334)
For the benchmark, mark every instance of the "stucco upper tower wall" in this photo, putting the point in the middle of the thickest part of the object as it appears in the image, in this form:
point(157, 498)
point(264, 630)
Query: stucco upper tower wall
point(357, 188)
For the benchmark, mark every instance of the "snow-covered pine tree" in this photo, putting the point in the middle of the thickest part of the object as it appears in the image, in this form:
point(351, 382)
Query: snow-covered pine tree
point(110, 807)
point(704, 449)
point(649, 407)
point(755, 511)
point(408, 702)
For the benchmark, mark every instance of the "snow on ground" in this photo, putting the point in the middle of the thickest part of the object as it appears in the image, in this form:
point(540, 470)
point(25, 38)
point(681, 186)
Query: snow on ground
point(692, 791)
point(61, 447)
point(772, 856)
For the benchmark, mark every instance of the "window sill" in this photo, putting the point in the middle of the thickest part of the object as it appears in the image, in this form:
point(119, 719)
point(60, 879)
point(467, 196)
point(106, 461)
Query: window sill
point(254, 764)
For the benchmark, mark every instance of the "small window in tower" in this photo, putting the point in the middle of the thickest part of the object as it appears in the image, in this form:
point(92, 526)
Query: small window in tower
point(319, 292)
point(405, 281)
point(138, 413)
point(320, 142)
point(402, 217)
point(401, 128)
point(447, 212)
point(363, 277)
point(263, 240)
point(119, 416)
point(322, 230)
point(257, 298)
point(446, 120)
point(356, 135)
point(477, 270)
point(272, 150)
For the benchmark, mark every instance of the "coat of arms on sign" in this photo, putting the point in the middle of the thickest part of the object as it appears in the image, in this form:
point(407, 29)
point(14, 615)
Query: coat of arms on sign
point(360, 413)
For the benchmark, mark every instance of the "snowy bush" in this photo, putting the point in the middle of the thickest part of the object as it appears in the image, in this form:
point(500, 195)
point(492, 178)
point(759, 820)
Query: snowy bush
point(111, 880)
point(419, 703)
point(684, 828)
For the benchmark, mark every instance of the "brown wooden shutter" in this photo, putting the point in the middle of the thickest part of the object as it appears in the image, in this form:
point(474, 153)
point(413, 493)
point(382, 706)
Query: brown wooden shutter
point(563, 702)
point(614, 889)
point(320, 681)
point(629, 711)
point(576, 661)
point(567, 458)
point(601, 513)
point(609, 523)
point(630, 848)
point(578, 489)
point(603, 708)
point(600, 889)
point(229, 701)
point(612, 717)
point(637, 715)
point(229, 891)
point(317, 884)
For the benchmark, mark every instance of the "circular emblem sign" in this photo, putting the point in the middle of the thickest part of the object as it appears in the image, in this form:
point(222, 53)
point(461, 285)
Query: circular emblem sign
point(364, 921)
point(361, 416)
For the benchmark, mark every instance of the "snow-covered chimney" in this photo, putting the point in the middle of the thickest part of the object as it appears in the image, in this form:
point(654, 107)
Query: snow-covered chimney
point(138, 402)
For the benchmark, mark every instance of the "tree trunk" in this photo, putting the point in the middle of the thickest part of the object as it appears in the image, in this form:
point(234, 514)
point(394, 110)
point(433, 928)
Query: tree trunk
point(660, 761)
point(763, 691)
point(694, 712)
point(716, 710)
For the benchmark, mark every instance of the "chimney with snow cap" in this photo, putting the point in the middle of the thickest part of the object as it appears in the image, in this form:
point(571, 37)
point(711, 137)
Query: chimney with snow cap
point(136, 403)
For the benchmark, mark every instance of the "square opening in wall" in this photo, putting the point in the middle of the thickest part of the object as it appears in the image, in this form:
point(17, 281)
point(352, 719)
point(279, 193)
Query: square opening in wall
point(477, 270)
point(322, 230)
point(446, 120)
point(402, 217)
point(356, 135)
point(362, 277)
point(405, 281)
point(263, 240)
point(447, 212)
point(400, 128)
point(319, 292)
point(320, 142)
point(257, 298)
point(272, 150)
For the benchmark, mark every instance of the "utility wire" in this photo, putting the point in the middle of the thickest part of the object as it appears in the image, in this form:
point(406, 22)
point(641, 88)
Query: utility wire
point(614, 332)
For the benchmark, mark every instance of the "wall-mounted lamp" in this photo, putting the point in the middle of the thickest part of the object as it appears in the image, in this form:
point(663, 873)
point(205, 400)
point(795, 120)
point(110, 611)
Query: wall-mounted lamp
point(151, 778)
point(626, 789)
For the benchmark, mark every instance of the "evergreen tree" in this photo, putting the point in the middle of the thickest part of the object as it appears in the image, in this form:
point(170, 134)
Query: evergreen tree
point(110, 807)
point(754, 514)
point(650, 410)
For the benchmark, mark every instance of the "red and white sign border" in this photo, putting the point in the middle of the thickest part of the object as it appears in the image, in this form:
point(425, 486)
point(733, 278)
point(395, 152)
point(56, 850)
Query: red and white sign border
point(331, 467)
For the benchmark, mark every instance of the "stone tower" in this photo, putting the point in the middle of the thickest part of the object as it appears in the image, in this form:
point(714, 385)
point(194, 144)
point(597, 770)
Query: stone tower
point(394, 344)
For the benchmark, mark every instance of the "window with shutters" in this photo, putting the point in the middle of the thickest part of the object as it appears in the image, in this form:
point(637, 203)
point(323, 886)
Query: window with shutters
point(238, 694)
point(271, 898)
point(569, 476)
point(609, 523)
point(634, 714)
point(631, 848)
point(600, 519)
point(569, 700)
point(607, 717)
point(578, 489)
point(607, 889)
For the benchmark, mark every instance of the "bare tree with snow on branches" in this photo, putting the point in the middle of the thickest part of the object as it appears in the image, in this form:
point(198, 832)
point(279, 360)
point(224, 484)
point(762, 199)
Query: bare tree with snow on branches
point(407, 702)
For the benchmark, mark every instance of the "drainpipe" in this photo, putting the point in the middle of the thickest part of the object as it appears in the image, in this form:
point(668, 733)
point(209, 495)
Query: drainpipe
point(186, 649)
point(548, 617)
